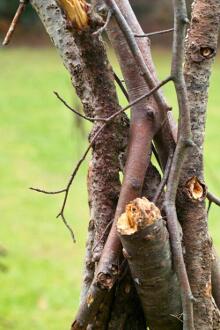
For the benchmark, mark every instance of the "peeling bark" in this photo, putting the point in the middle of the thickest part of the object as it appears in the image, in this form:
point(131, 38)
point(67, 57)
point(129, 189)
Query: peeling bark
point(146, 245)
point(201, 47)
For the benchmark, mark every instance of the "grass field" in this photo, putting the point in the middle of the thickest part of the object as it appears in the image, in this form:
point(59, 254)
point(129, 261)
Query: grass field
point(39, 145)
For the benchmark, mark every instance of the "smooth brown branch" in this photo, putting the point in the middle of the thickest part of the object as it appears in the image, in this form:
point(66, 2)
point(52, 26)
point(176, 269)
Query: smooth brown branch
point(146, 35)
point(183, 144)
point(11, 30)
point(131, 41)
point(73, 110)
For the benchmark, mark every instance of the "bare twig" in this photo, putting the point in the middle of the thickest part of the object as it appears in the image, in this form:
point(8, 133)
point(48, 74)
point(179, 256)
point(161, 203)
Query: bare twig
point(106, 121)
point(183, 143)
point(213, 199)
point(122, 87)
point(146, 35)
point(73, 110)
point(56, 192)
point(11, 30)
point(164, 179)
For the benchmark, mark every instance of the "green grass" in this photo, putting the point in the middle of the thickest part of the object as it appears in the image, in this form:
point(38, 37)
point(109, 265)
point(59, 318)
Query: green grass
point(39, 145)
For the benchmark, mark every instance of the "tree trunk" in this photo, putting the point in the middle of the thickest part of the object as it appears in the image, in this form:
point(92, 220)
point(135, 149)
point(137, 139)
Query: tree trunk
point(201, 45)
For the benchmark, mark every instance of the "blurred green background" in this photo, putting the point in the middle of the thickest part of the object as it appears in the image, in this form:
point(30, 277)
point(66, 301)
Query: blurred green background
point(40, 273)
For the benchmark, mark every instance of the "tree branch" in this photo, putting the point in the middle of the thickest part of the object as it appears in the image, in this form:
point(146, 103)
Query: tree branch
point(146, 35)
point(183, 143)
point(146, 245)
point(19, 12)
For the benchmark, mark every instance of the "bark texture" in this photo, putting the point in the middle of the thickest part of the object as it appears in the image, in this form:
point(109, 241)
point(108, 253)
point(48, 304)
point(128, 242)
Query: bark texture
point(85, 58)
point(146, 246)
point(201, 48)
point(216, 278)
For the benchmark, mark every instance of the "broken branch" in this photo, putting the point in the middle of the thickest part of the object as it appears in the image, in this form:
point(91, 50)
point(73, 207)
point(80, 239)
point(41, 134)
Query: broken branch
point(146, 247)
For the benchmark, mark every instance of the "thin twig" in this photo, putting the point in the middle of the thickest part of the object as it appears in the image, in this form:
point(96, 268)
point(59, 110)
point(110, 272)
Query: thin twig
point(146, 35)
point(135, 50)
point(164, 179)
point(183, 143)
point(212, 198)
point(73, 110)
point(68, 227)
point(48, 192)
point(102, 29)
point(11, 30)
point(122, 87)
point(209, 207)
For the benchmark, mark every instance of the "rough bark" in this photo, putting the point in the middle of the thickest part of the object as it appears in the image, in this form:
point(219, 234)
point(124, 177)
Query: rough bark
point(142, 129)
point(216, 278)
point(146, 246)
point(163, 138)
point(200, 50)
point(85, 58)
point(126, 311)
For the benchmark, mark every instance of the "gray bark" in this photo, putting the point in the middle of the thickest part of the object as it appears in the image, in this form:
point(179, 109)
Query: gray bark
point(85, 58)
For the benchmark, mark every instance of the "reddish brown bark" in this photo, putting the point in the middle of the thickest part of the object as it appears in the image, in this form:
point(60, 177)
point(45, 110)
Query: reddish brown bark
point(200, 49)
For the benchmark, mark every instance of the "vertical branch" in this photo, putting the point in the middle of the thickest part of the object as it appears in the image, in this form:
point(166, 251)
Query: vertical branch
point(201, 46)
point(163, 139)
point(183, 143)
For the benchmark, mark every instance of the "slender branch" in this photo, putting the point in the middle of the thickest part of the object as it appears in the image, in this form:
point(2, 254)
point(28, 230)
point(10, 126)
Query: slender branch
point(73, 110)
point(213, 199)
point(164, 179)
point(11, 30)
point(129, 36)
point(183, 143)
point(122, 87)
point(48, 192)
point(146, 35)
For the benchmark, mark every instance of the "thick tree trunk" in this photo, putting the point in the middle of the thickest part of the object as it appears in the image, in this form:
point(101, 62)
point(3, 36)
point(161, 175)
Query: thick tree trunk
point(201, 47)
point(85, 58)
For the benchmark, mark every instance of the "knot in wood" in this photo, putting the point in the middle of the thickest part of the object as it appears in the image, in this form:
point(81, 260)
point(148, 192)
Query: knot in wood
point(150, 114)
point(196, 190)
point(200, 53)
